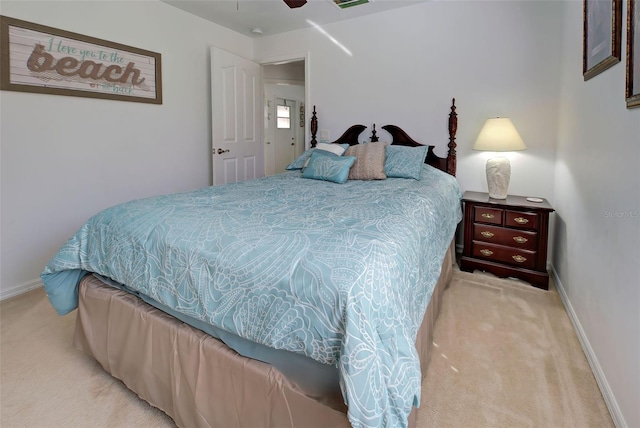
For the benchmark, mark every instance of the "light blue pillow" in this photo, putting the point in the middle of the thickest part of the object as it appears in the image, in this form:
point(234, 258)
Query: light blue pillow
point(405, 161)
point(299, 162)
point(328, 167)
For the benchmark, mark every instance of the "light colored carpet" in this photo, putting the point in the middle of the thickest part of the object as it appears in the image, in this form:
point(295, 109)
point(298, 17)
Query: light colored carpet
point(506, 356)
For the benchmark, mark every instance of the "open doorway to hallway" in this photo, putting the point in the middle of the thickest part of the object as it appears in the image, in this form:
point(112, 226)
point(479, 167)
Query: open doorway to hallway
point(285, 114)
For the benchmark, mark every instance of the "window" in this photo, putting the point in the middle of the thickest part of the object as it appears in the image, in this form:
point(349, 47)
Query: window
point(283, 116)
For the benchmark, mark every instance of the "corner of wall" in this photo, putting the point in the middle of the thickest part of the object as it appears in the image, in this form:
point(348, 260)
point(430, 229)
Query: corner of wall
point(598, 373)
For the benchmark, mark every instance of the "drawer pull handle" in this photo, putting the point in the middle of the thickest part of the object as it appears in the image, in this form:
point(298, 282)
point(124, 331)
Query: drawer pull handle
point(521, 220)
point(519, 258)
point(486, 252)
point(487, 234)
point(485, 215)
point(520, 239)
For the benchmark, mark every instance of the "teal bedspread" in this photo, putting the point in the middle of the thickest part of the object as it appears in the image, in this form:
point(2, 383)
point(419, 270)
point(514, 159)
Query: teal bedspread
point(341, 273)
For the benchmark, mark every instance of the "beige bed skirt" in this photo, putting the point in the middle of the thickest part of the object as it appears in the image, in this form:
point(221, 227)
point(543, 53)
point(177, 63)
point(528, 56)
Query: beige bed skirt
point(196, 379)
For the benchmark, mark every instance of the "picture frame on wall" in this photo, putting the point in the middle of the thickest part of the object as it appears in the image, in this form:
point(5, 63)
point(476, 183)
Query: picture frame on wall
point(40, 59)
point(602, 36)
point(633, 54)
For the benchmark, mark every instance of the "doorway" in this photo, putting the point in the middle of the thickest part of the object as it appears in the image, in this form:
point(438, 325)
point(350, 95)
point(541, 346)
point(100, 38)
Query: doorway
point(285, 117)
point(286, 138)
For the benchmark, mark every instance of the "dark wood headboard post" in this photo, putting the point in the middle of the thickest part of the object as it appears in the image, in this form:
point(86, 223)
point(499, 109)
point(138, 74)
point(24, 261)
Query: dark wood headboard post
point(453, 129)
point(314, 127)
point(374, 137)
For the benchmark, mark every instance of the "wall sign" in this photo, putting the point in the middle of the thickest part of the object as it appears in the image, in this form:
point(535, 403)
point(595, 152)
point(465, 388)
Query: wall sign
point(36, 58)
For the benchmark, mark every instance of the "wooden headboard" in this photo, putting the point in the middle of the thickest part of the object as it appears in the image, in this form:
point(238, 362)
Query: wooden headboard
point(400, 137)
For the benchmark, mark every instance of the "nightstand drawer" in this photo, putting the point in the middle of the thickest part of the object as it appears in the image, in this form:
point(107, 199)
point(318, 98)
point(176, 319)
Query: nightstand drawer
point(508, 237)
point(511, 256)
point(488, 215)
point(521, 220)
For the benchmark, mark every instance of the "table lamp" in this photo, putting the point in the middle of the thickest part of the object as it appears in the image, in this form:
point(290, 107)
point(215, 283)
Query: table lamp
point(499, 135)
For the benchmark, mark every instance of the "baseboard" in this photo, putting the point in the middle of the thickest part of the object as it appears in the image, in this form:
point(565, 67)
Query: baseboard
point(605, 390)
point(21, 288)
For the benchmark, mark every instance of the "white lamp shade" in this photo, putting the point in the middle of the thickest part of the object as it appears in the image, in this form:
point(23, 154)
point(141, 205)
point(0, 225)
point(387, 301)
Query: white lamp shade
point(499, 135)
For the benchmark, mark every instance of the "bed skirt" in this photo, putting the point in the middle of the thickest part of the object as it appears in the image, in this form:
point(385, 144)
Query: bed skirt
point(196, 379)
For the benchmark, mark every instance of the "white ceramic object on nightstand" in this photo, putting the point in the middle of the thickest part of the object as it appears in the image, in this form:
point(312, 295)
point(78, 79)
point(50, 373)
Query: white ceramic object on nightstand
point(498, 176)
point(499, 135)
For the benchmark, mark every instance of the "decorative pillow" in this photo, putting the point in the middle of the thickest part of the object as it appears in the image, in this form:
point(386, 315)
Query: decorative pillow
point(300, 161)
point(369, 164)
point(328, 167)
point(336, 149)
point(405, 161)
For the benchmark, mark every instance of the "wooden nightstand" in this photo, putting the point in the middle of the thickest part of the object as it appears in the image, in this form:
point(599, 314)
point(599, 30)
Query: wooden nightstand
point(507, 237)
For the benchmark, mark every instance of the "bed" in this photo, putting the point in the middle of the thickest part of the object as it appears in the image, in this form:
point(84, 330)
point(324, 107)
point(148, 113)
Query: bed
point(289, 300)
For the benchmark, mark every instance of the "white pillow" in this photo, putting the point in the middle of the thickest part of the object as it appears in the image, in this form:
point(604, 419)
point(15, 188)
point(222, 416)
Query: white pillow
point(336, 149)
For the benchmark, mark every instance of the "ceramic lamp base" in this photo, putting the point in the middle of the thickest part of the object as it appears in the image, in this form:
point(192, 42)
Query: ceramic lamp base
point(498, 176)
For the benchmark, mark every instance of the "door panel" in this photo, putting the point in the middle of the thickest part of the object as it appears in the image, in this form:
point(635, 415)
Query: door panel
point(250, 170)
point(250, 93)
point(236, 100)
point(230, 167)
point(229, 103)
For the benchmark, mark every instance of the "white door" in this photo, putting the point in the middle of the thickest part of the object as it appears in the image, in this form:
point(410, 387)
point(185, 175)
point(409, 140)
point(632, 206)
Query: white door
point(237, 123)
point(284, 112)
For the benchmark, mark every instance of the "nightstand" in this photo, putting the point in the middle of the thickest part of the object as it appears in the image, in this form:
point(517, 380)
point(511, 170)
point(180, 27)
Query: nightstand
point(506, 237)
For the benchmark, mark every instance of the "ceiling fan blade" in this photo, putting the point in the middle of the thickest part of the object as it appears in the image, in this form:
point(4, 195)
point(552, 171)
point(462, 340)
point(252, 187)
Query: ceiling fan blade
point(295, 3)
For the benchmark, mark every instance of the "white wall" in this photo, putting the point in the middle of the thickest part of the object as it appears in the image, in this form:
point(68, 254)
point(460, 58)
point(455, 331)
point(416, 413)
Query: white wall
point(597, 198)
point(66, 158)
point(408, 63)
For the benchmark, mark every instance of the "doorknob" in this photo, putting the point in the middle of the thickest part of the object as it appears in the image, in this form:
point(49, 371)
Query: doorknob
point(221, 151)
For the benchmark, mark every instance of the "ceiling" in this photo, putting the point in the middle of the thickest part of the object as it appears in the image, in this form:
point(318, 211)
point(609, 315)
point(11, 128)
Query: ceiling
point(274, 16)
